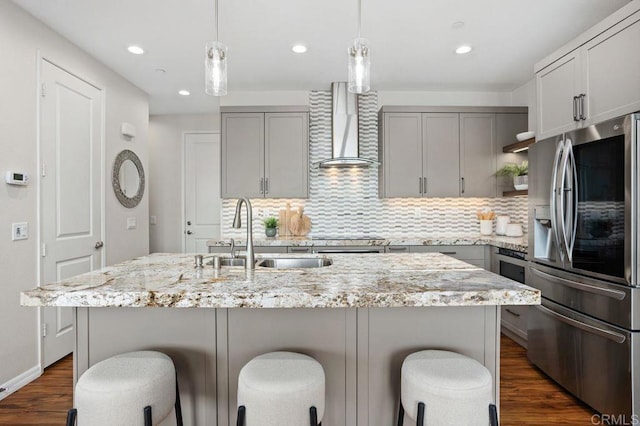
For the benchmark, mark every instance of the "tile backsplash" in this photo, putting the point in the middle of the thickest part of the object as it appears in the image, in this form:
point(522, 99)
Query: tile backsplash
point(345, 202)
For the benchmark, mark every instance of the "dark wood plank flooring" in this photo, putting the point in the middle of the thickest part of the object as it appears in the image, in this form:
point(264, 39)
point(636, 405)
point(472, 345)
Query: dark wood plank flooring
point(527, 397)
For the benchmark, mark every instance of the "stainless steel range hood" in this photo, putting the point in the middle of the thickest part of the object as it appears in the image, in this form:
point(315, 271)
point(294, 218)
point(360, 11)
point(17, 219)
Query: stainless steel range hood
point(345, 145)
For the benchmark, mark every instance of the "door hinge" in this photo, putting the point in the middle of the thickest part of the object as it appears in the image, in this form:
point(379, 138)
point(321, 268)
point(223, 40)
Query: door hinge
point(44, 329)
point(43, 250)
point(43, 90)
point(43, 170)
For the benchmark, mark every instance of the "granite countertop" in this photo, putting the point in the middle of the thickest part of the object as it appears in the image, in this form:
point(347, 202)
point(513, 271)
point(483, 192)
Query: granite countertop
point(354, 280)
point(514, 243)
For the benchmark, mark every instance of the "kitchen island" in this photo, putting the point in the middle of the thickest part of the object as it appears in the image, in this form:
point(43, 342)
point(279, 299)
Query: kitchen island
point(358, 317)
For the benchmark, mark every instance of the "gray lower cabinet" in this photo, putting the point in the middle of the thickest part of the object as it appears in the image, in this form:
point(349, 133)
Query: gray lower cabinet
point(475, 255)
point(595, 81)
point(265, 154)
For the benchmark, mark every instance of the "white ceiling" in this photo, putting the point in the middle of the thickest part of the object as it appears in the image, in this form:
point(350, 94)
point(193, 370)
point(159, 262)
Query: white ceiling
point(412, 41)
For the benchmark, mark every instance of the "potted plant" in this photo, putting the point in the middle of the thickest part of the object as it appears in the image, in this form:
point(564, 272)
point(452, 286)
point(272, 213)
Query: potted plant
point(270, 226)
point(520, 173)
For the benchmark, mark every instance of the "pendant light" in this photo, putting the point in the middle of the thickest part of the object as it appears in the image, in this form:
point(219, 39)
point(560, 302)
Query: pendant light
point(215, 65)
point(359, 61)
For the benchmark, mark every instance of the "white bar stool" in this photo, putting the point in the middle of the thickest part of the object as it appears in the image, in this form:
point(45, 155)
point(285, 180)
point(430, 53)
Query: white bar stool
point(441, 388)
point(281, 389)
point(130, 389)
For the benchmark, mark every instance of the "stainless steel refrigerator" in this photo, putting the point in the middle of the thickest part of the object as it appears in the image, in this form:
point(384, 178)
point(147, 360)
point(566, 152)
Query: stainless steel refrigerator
point(583, 256)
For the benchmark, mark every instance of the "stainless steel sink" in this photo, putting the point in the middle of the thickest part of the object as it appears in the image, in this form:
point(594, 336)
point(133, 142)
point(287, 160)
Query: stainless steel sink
point(230, 261)
point(294, 262)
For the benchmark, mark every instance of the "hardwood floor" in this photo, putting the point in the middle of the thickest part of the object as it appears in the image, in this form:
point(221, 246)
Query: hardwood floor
point(528, 397)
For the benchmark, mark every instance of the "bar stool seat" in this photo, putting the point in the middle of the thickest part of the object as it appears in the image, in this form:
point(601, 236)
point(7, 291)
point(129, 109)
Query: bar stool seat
point(134, 388)
point(281, 389)
point(452, 388)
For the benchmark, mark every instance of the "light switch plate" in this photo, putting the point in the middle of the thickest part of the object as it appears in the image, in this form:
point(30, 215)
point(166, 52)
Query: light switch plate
point(153, 220)
point(131, 223)
point(19, 231)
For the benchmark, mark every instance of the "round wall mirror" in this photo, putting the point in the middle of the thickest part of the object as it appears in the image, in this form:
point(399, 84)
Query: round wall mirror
point(127, 178)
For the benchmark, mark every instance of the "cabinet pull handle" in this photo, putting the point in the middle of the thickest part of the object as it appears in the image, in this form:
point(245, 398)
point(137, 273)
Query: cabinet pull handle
point(266, 185)
point(420, 185)
point(575, 108)
point(513, 313)
point(582, 114)
point(262, 185)
point(299, 249)
point(449, 253)
point(397, 248)
point(462, 185)
point(424, 185)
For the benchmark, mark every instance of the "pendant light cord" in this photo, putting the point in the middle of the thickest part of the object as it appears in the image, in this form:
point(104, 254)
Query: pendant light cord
point(216, 12)
point(359, 16)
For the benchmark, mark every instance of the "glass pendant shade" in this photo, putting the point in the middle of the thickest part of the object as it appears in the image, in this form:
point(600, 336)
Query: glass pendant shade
point(359, 66)
point(215, 65)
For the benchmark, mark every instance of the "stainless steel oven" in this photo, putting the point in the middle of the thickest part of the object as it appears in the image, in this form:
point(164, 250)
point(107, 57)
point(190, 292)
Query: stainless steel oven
point(583, 208)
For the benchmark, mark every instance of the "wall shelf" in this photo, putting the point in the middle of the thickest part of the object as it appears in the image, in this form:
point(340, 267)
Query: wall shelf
point(518, 146)
point(515, 193)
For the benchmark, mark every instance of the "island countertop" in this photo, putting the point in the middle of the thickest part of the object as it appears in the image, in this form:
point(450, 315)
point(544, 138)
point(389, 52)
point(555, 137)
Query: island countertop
point(353, 280)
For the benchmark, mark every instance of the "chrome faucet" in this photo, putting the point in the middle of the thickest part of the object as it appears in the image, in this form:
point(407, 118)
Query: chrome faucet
point(250, 261)
point(233, 249)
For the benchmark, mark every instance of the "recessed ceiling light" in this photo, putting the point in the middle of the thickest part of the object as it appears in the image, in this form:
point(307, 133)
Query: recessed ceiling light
point(457, 25)
point(461, 50)
point(136, 50)
point(184, 92)
point(299, 48)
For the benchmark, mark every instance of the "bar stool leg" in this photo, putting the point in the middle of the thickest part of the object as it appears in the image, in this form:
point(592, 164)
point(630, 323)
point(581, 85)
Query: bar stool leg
point(420, 420)
point(400, 413)
point(147, 416)
point(241, 414)
point(71, 417)
point(493, 415)
point(178, 406)
point(313, 415)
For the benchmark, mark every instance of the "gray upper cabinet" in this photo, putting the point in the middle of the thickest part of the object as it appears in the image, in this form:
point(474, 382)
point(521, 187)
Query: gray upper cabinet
point(443, 151)
point(265, 154)
point(242, 155)
point(478, 155)
point(593, 78)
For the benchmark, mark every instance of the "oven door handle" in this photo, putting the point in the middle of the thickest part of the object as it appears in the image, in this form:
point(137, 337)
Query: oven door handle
point(553, 198)
point(614, 294)
point(616, 337)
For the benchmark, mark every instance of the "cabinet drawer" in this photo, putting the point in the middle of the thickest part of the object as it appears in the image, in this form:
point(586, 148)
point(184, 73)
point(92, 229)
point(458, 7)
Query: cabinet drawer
point(516, 316)
point(459, 252)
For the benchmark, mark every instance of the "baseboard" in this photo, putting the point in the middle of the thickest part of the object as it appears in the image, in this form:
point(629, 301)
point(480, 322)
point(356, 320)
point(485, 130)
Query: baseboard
point(515, 335)
point(19, 381)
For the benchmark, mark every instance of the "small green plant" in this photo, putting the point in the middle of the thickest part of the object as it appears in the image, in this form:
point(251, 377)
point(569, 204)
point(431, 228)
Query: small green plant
point(513, 169)
point(270, 222)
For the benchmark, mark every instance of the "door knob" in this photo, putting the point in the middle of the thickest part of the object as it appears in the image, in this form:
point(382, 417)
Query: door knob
point(99, 245)
point(189, 232)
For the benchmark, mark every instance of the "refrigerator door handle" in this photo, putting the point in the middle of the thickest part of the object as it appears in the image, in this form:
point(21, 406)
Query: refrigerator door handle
point(553, 198)
point(616, 337)
point(562, 194)
point(574, 201)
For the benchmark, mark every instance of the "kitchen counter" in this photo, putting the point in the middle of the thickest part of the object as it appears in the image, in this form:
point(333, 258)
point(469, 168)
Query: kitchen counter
point(354, 280)
point(513, 243)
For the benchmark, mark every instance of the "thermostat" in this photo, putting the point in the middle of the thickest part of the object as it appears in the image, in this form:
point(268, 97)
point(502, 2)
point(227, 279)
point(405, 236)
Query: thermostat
point(17, 178)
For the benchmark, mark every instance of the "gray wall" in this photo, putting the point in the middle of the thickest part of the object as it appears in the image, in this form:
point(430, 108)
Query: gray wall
point(21, 36)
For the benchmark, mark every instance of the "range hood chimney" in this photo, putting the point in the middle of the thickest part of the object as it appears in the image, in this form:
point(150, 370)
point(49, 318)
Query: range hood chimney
point(345, 145)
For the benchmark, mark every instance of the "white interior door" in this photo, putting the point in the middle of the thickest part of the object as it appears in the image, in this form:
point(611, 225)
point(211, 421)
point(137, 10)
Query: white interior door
point(202, 190)
point(71, 198)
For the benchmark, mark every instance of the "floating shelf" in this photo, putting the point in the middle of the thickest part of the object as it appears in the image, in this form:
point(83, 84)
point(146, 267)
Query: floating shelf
point(515, 193)
point(518, 146)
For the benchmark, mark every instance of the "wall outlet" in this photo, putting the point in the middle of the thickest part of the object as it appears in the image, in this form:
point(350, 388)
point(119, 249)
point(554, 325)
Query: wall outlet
point(131, 223)
point(153, 220)
point(19, 231)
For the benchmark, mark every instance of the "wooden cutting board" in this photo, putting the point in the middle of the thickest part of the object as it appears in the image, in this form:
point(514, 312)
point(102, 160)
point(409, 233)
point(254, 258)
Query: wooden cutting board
point(300, 224)
point(284, 217)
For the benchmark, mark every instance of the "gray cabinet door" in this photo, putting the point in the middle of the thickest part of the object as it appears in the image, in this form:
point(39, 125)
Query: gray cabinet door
point(402, 157)
point(441, 158)
point(557, 85)
point(286, 155)
point(242, 155)
point(611, 72)
point(477, 155)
